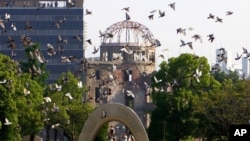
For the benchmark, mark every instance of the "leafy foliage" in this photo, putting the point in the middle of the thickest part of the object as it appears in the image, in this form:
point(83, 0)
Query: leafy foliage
point(18, 108)
point(71, 112)
point(177, 106)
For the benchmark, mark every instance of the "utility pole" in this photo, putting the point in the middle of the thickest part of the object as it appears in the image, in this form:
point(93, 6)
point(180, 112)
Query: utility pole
point(164, 129)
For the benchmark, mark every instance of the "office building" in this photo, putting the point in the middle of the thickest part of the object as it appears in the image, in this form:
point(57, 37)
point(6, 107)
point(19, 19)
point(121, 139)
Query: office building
point(56, 23)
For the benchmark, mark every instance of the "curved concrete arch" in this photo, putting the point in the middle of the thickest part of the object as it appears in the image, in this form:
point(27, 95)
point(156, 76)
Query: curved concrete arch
point(114, 112)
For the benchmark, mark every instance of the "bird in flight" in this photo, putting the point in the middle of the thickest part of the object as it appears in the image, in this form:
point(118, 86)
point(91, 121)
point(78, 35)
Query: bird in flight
point(47, 99)
point(151, 17)
point(172, 5)
point(95, 50)
point(181, 30)
point(126, 9)
point(130, 93)
point(161, 13)
point(238, 56)
point(3, 26)
point(190, 45)
point(161, 56)
point(182, 43)
point(127, 17)
point(77, 37)
point(218, 20)
point(69, 96)
point(88, 12)
point(89, 41)
point(4, 81)
point(197, 37)
point(156, 80)
point(7, 122)
point(28, 26)
point(13, 26)
point(229, 13)
point(126, 49)
point(197, 74)
point(210, 16)
point(7, 16)
point(104, 114)
point(210, 37)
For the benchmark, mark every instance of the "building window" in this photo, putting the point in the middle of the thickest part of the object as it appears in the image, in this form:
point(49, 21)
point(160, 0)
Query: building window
point(152, 56)
point(127, 75)
point(97, 94)
point(104, 56)
point(97, 74)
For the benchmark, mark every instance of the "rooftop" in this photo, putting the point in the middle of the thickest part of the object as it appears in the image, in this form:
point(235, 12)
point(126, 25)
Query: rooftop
point(41, 3)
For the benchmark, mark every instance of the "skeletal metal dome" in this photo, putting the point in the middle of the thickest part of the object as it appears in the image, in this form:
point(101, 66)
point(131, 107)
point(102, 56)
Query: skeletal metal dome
point(128, 31)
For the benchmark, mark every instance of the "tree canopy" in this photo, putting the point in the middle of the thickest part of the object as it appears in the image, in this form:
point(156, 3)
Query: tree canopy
point(192, 103)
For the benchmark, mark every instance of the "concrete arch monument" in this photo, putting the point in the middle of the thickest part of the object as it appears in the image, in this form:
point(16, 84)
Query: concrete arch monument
point(114, 112)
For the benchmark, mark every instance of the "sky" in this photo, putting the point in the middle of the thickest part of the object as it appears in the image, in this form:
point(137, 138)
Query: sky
point(232, 34)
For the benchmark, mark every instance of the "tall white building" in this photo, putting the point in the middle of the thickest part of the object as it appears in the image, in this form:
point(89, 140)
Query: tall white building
point(246, 66)
point(224, 59)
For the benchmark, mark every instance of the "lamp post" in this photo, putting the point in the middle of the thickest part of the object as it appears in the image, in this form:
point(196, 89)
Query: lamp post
point(164, 129)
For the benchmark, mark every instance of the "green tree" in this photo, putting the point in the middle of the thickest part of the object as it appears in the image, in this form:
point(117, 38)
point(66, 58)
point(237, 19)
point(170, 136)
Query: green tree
point(29, 97)
point(19, 108)
point(221, 76)
point(226, 106)
point(35, 64)
point(67, 97)
point(8, 109)
point(176, 97)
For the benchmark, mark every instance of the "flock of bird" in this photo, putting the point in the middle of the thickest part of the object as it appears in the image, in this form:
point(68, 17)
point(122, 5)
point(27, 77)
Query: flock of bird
point(182, 31)
point(197, 73)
